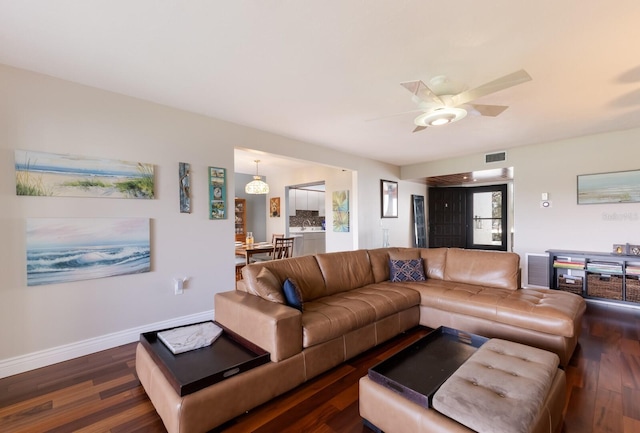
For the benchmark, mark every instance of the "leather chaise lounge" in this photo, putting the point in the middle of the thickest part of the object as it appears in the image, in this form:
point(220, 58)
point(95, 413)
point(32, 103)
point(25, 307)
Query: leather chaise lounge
point(349, 305)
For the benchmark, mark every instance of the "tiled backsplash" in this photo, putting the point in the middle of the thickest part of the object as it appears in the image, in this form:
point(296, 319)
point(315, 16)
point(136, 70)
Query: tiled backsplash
point(306, 215)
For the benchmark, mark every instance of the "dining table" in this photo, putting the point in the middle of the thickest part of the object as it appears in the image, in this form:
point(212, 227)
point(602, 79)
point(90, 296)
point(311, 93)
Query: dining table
point(256, 248)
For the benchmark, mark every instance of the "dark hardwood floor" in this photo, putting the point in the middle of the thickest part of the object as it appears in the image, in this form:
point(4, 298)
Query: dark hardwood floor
point(100, 392)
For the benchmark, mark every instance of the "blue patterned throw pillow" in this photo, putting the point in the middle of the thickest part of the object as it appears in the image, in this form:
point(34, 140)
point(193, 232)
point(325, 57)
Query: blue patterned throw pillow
point(406, 270)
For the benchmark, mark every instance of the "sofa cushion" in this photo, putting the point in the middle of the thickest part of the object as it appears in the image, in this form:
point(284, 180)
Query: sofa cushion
point(379, 260)
point(344, 271)
point(333, 316)
point(550, 311)
point(468, 299)
point(434, 262)
point(267, 286)
point(292, 294)
point(404, 254)
point(542, 310)
point(497, 269)
point(304, 270)
point(406, 270)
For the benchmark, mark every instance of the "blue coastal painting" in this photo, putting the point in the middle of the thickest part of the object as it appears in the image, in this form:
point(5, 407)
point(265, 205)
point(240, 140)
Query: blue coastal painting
point(60, 250)
point(617, 187)
point(50, 174)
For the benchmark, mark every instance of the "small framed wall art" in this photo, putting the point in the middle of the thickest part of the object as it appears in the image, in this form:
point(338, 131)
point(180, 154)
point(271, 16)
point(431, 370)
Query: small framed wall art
point(340, 208)
point(184, 175)
point(217, 193)
point(274, 207)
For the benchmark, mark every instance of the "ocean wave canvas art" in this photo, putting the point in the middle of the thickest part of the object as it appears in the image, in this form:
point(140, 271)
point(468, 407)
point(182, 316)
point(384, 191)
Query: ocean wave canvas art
point(50, 174)
point(61, 250)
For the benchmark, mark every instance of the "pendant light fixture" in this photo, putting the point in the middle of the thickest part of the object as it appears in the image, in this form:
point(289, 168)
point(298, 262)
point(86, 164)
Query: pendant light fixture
point(256, 186)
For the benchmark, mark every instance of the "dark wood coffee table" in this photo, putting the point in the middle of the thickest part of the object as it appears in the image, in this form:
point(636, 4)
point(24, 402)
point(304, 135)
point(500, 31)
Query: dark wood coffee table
point(191, 371)
point(417, 371)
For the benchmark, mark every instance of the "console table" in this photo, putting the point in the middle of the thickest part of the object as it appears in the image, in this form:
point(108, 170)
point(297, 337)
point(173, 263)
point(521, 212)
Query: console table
point(598, 275)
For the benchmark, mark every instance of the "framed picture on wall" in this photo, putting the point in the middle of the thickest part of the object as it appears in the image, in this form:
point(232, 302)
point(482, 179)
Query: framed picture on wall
point(217, 193)
point(616, 187)
point(274, 207)
point(340, 209)
point(389, 198)
point(184, 176)
point(58, 175)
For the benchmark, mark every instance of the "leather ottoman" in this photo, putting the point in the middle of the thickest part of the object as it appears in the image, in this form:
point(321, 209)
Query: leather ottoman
point(503, 387)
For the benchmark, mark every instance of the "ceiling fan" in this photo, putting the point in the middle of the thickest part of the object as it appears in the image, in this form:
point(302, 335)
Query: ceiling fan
point(440, 107)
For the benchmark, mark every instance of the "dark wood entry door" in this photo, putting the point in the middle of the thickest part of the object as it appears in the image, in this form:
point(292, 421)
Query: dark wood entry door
point(474, 217)
point(447, 217)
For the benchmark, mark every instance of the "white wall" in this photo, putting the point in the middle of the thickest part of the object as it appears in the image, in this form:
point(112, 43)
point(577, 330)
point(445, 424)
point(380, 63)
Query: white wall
point(41, 113)
point(553, 168)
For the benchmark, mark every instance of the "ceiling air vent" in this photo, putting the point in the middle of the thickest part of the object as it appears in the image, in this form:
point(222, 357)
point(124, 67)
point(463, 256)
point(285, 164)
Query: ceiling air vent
point(495, 157)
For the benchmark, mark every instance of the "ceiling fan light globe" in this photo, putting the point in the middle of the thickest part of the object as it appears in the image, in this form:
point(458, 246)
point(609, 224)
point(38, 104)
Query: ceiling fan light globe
point(441, 116)
point(440, 121)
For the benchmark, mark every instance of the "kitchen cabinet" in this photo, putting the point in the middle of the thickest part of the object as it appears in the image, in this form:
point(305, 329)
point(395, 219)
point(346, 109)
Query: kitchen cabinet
point(312, 200)
point(302, 199)
point(321, 205)
point(313, 243)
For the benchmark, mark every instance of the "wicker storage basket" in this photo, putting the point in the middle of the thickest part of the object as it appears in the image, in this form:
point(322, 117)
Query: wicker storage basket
point(604, 286)
point(570, 284)
point(633, 289)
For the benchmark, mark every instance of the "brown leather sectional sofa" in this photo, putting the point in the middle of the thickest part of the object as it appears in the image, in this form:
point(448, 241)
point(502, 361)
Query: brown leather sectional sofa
point(349, 306)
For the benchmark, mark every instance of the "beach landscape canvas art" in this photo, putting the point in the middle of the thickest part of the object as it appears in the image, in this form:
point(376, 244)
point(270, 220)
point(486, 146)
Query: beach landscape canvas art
point(617, 187)
point(50, 174)
point(60, 250)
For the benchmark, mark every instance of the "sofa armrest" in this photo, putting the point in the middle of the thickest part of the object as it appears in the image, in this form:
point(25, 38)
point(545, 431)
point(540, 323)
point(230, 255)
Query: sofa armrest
point(274, 327)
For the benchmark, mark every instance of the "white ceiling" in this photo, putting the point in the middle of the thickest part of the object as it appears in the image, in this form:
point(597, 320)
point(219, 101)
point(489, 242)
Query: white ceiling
point(269, 165)
point(318, 71)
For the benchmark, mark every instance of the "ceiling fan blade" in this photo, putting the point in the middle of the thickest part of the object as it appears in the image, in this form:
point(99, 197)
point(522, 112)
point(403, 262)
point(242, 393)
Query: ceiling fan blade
point(419, 128)
point(419, 89)
point(489, 110)
point(502, 83)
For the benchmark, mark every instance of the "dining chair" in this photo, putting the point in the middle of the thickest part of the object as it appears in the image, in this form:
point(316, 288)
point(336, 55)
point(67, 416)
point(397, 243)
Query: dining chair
point(267, 256)
point(240, 262)
point(283, 248)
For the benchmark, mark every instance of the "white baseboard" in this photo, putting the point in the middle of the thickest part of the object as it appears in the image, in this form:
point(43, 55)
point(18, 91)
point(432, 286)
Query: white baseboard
point(31, 361)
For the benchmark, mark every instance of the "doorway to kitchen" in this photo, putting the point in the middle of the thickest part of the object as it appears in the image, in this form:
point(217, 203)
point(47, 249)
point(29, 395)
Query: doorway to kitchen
point(305, 206)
